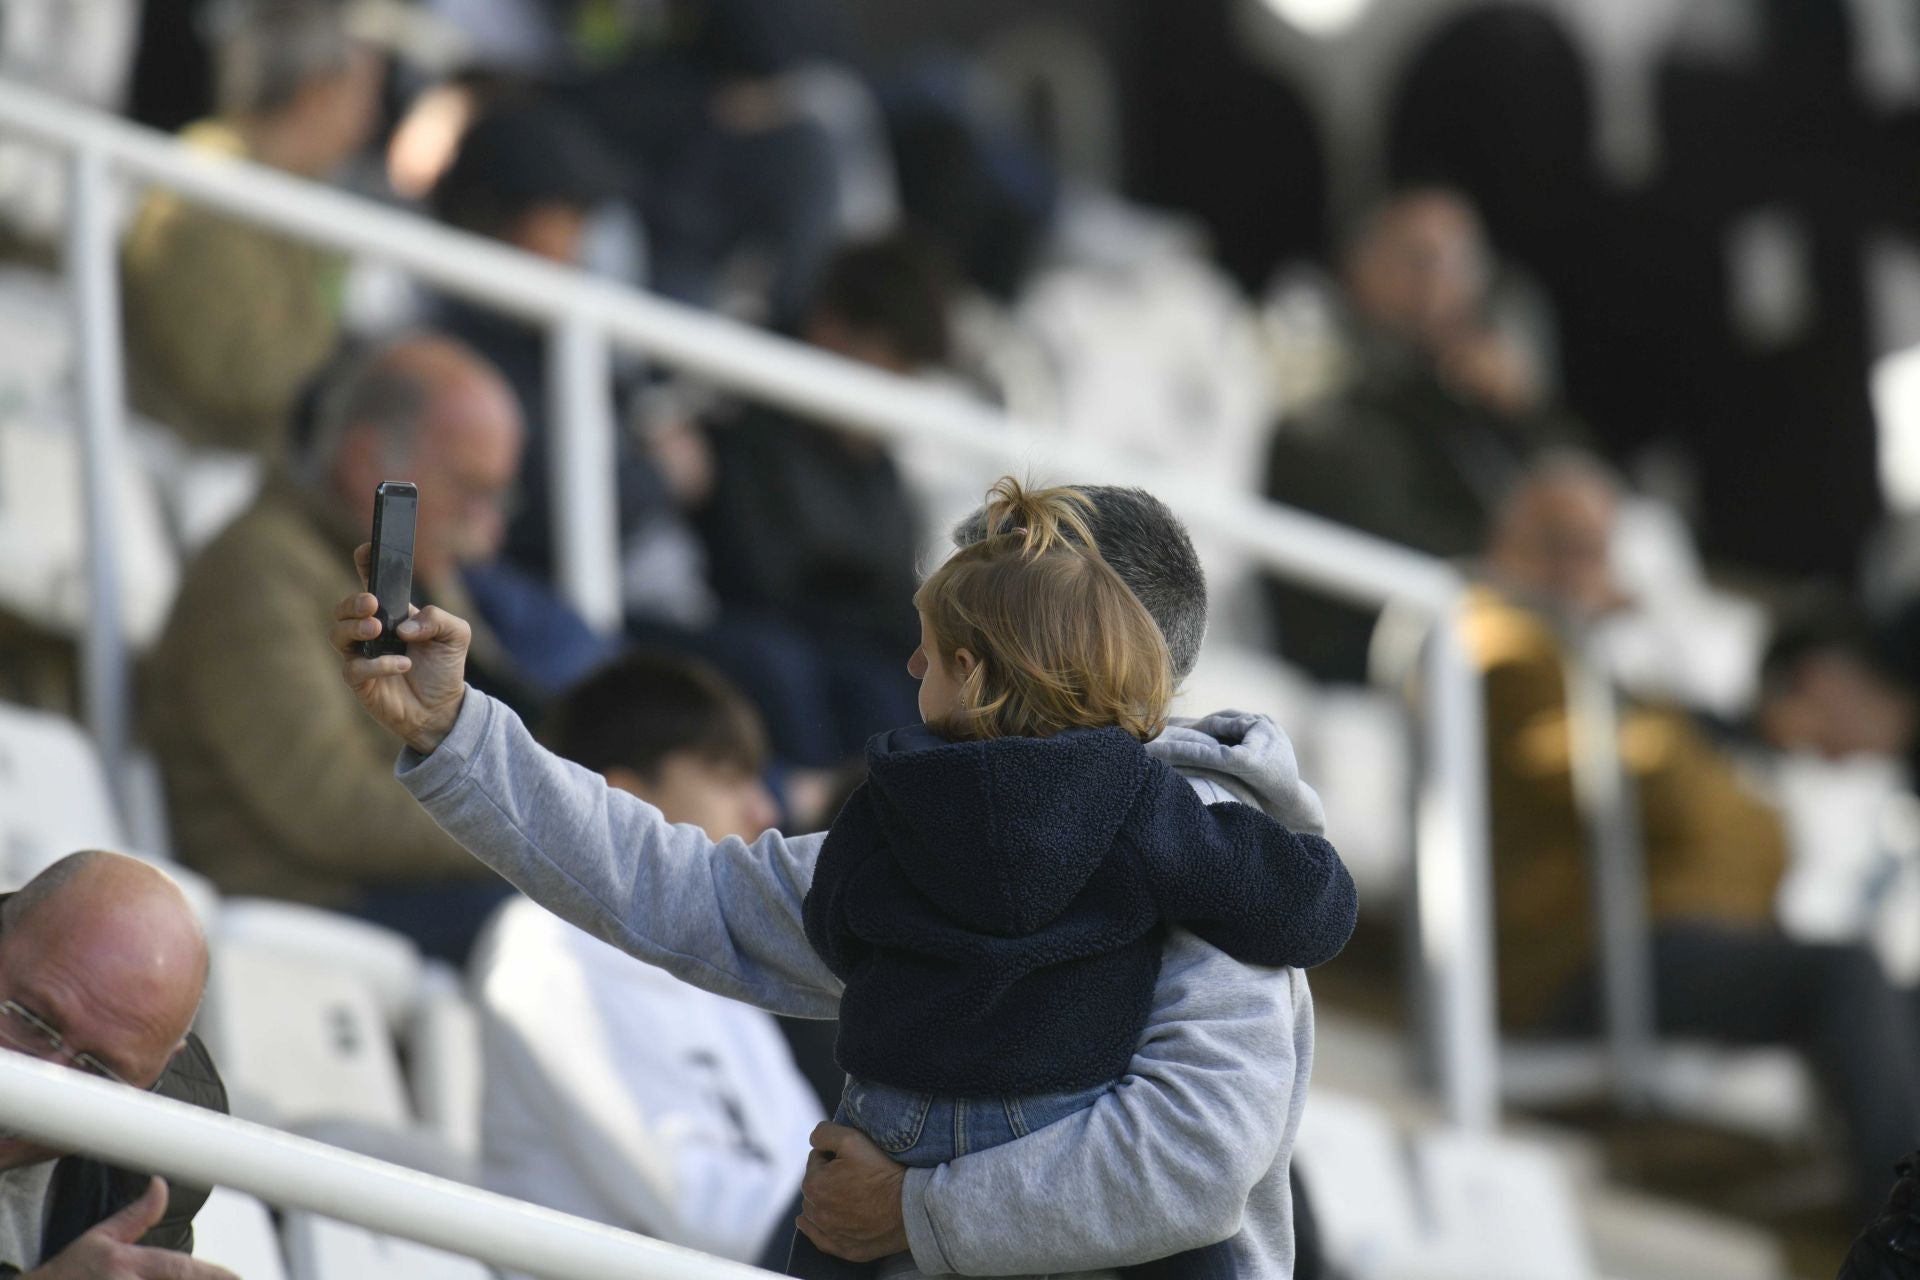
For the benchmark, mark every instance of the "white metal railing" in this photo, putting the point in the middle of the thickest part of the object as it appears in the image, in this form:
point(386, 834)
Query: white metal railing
point(586, 317)
point(74, 1112)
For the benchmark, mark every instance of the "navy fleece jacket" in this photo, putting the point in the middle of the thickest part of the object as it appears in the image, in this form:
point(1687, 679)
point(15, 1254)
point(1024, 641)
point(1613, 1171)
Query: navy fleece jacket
point(998, 909)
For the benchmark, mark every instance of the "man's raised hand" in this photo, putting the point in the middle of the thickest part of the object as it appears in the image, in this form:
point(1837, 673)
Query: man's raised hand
point(416, 695)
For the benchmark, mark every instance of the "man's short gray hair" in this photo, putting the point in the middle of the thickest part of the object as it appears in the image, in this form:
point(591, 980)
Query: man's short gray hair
point(268, 50)
point(373, 390)
point(1148, 546)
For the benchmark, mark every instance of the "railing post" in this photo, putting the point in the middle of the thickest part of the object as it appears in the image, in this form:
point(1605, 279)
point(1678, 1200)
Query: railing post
point(1454, 883)
point(584, 487)
point(93, 277)
point(1608, 798)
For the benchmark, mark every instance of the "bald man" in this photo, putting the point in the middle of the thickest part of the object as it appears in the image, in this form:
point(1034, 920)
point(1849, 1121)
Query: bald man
point(275, 788)
point(102, 965)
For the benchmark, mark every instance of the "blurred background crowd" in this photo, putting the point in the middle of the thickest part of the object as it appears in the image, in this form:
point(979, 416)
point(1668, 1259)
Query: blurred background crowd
point(1614, 303)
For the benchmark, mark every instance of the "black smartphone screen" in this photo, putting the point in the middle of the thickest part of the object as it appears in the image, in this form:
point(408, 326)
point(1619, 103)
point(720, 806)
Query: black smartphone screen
point(395, 505)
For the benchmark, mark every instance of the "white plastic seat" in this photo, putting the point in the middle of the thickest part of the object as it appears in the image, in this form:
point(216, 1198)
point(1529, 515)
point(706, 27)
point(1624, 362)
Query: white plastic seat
point(1446, 1204)
point(386, 962)
point(444, 1060)
point(1764, 1093)
point(1356, 1170)
point(1361, 759)
point(1500, 1208)
point(53, 794)
point(235, 1231)
point(324, 1249)
point(299, 1040)
point(43, 573)
point(36, 335)
point(1229, 676)
point(204, 490)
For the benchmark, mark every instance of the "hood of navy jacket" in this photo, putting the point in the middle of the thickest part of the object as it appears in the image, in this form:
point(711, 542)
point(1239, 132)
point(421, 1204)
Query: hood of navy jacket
point(1002, 835)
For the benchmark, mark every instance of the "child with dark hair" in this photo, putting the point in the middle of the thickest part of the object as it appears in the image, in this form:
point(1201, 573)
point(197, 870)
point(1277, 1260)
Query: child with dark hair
point(673, 732)
point(615, 1090)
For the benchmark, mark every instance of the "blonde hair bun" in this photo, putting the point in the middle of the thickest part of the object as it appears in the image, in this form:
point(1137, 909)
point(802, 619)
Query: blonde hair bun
point(1060, 642)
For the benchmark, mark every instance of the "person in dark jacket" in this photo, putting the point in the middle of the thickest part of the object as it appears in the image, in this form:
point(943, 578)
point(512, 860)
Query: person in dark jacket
point(102, 966)
point(1438, 416)
point(812, 522)
point(530, 174)
point(1889, 1248)
point(995, 896)
point(813, 525)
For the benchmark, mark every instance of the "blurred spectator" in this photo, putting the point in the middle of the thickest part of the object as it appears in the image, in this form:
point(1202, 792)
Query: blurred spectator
point(226, 322)
point(699, 92)
point(813, 524)
point(1438, 416)
point(1844, 722)
point(1885, 1249)
point(529, 174)
point(1827, 687)
point(526, 174)
point(977, 184)
point(102, 966)
point(279, 791)
point(1713, 851)
point(614, 1090)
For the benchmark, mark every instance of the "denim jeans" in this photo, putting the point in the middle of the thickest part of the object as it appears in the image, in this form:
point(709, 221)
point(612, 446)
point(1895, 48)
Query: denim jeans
point(926, 1129)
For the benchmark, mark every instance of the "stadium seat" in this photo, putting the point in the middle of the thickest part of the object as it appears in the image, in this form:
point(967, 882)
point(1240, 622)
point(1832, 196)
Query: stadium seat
point(36, 339)
point(322, 1249)
point(1500, 1208)
point(442, 1038)
point(1248, 680)
point(203, 490)
point(299, 1040)
point(387, 964)
point(1355, 1167)
point(1763, 1093)
point(43, 566)
point(1361, 759)
point(1444, 1205)
point(54, 796)
point(235, 1231)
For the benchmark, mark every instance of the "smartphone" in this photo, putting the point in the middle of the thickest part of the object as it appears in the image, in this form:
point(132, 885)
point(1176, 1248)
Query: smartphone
point(395, 504)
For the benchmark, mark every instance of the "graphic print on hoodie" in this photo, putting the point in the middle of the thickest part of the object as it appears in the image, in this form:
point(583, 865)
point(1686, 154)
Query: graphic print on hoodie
point(997, 909)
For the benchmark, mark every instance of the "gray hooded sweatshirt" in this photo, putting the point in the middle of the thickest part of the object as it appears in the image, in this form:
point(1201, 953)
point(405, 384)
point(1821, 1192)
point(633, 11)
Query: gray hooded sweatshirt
point(1192, 1146)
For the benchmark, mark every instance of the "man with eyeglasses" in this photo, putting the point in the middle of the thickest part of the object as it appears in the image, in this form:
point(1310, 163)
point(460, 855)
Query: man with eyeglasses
point(102, 966)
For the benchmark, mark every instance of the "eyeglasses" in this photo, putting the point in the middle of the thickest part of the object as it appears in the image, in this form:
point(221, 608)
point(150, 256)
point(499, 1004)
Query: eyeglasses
point(22, 1029)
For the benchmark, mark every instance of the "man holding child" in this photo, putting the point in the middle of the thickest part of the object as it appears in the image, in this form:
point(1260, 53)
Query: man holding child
point(1190, 1146)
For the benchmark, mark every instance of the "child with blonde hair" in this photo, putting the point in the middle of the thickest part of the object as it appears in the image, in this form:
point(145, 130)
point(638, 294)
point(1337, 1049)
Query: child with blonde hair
point(996, 896)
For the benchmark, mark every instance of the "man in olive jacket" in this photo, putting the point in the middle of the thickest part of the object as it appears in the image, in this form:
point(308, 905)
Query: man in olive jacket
point(102, 967)
point(275, 788)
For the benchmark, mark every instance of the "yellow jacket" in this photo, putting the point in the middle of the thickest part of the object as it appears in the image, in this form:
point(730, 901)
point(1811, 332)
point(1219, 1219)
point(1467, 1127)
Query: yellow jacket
point(1713, 850)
